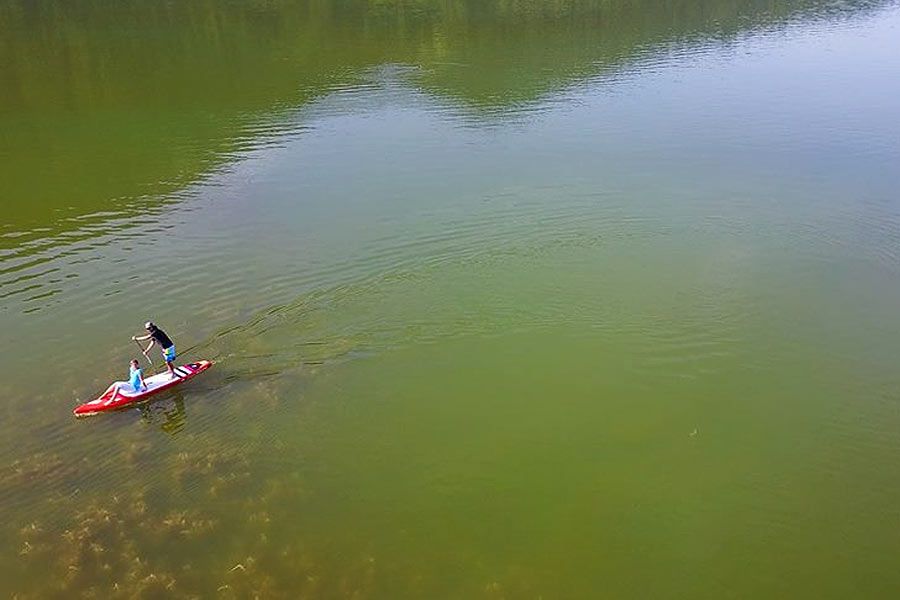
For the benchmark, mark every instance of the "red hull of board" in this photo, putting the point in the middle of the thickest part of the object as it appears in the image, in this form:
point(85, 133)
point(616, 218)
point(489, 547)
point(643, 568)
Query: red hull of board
point(114, 398)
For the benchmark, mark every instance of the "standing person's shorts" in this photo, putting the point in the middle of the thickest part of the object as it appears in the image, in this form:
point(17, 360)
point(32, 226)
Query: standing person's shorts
point(169, 353)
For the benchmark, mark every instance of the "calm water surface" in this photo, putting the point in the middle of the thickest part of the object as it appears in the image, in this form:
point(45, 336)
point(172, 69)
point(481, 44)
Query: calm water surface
point(563, 299)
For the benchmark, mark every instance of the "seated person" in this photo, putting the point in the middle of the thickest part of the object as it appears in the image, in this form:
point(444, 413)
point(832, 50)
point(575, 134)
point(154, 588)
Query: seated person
point(136, 377)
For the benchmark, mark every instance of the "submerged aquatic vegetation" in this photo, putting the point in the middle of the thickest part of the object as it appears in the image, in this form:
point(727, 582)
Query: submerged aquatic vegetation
point(187, 523)
point(41, 467)
point(176, 539)
point(217, 471)
point(220, 462)
point(110, 548)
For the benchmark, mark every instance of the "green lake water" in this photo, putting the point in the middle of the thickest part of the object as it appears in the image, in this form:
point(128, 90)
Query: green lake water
point(507, 299)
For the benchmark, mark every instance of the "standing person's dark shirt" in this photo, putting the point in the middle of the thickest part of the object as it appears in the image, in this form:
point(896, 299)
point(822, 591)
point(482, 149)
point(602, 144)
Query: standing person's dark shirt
point(161, 338)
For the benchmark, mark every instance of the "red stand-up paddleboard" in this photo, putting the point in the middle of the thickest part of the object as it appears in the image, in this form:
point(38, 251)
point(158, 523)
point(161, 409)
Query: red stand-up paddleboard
point(121, 393)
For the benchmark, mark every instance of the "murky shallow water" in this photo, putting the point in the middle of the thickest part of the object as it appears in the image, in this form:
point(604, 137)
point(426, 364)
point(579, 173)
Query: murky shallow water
point(550, 300)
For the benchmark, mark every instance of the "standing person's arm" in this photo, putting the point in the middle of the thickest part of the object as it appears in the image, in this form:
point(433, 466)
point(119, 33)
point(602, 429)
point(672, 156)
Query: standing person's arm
point(142, 338)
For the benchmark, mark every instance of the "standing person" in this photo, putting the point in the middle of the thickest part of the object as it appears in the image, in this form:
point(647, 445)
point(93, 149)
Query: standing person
point(158, 336)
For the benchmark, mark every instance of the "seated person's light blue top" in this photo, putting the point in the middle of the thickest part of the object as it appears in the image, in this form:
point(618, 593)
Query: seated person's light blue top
point(136, 376)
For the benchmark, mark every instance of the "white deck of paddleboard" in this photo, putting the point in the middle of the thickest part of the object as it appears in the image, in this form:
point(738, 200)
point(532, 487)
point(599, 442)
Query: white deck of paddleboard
point(152, 382)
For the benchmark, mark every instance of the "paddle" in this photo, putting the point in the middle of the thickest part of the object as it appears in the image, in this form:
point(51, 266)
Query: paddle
point(144, 352)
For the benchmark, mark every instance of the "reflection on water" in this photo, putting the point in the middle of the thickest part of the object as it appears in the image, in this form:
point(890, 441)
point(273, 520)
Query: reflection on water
point(507, 299)
point(100, 147)
point(170, 415)
point(109, 107)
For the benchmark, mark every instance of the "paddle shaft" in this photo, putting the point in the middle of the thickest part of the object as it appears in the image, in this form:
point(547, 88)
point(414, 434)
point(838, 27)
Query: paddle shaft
point(144, 352)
